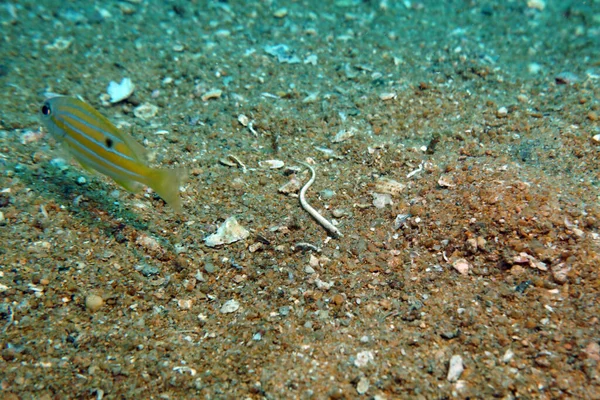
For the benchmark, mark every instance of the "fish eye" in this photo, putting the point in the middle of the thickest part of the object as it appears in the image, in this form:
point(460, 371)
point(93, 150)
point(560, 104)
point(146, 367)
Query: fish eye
point(46, 110)
point(109, 142)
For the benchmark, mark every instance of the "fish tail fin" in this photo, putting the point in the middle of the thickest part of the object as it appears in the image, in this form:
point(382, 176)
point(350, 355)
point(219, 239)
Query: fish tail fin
point(166, 182)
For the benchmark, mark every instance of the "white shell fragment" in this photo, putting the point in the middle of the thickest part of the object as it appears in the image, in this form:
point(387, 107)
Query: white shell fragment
point(389, 186)
point(363, 358)
point(120, 91)
point(212, 94)
point(456, 368)
point(230, 232)
point(230, 306)
point(380, 200)
point(445, 181)
point(145, 111)
point(344, 135)
point(293, 186)
point(271, 164)
point(242, 119)
point(387, 96)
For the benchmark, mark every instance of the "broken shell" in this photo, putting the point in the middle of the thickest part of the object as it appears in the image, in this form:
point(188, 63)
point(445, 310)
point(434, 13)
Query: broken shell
point(344, 134)
point(229, 232)
point(230, 306)
point(271, 164)
point(145, 111)
point(389, 186)
point(387, 96)
point(445, 182)
point(524, 258)
point(212, 94)
point(293, 186)
point(242, 119)
point(380, 200)
point(120, 91)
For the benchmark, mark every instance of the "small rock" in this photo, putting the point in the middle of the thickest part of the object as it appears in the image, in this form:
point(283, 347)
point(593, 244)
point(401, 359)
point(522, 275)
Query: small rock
point(508, 356)
point(536, 4)
point(309, 270)
point(502, 112)
point(230, 306)
point(456, 368)
point(184, 304)
point(147, 270)
point(592, 351)
point(337, 299)
point(284, 310)
point(462, 266)
point(363, 385)
point(210, 268)
point(280, 12)
point(147, 242)
point(93, 302)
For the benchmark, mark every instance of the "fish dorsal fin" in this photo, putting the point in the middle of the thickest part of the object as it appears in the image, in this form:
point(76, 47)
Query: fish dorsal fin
point(139, 152)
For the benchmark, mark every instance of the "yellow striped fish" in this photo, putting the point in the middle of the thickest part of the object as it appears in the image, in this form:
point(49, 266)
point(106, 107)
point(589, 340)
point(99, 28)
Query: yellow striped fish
point(98, 145)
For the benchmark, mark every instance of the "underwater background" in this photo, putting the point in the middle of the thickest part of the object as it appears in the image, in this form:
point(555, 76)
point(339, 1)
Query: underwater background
point(455, 148)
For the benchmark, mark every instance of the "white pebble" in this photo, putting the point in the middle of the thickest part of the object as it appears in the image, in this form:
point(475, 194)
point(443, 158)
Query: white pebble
point(508, 356)
point(363, 385)
point(456, 368)
point(230, 306)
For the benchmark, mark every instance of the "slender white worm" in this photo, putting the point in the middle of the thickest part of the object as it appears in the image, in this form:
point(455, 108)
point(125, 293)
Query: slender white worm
point(314, 213)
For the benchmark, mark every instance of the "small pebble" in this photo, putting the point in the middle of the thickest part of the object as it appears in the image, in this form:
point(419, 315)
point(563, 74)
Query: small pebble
point(281, 12)
point(363, 385)
point(502, 112)
point(210, 267)
point(337, 299)
point(93, 302)
point(230, 306)
point(456, 368)
point(309, 270)
point(462, 266)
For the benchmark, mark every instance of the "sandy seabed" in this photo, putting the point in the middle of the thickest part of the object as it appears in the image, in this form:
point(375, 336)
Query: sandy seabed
point(455, 146)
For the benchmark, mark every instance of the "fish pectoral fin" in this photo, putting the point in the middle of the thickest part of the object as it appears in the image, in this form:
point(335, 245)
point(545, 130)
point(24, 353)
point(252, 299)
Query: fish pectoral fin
point(139, 152)
point(83, 164)
point(129, 185)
